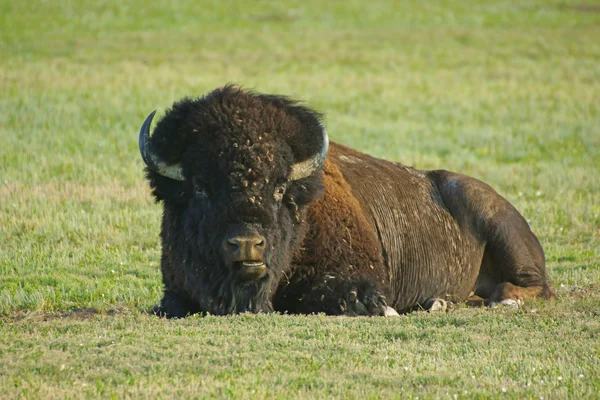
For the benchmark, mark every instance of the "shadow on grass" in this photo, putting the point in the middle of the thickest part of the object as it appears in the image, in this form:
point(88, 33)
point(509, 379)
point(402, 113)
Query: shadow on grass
point(565, 294)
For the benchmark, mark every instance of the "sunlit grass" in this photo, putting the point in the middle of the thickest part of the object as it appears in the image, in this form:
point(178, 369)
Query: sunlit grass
point(504, 91)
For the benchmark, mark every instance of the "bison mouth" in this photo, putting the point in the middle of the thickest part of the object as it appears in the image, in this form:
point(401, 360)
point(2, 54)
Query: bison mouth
point(250, 270)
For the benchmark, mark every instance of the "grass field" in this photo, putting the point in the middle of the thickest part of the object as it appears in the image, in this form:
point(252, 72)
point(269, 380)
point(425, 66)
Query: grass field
point(506, 91)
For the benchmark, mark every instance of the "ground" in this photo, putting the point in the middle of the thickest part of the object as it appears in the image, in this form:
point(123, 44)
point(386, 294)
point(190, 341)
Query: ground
point(505, 91)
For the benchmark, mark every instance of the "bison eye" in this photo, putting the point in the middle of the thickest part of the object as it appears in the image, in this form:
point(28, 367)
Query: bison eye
point(279, 192)
point(200, 189)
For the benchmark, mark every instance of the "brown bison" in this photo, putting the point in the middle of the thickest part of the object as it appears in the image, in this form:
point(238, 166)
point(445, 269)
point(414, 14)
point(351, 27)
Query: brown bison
point(261, 213)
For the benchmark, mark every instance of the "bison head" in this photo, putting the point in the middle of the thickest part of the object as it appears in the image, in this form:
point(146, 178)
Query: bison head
point(235, 171)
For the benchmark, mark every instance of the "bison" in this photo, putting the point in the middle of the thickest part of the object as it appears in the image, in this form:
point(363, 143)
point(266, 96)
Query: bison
point(262, 213)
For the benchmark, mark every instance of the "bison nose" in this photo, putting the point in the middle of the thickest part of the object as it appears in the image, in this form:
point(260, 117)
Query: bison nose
point(245, 248)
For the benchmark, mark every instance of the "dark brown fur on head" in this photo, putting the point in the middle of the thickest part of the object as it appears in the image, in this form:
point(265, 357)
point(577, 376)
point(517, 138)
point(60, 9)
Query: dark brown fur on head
point(236, 149)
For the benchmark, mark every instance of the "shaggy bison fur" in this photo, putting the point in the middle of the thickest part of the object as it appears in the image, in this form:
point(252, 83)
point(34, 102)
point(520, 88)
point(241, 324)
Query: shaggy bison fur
point(261, 213)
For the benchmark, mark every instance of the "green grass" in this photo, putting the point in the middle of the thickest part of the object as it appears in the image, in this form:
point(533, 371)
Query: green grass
point(506, 91)
point(469, 353)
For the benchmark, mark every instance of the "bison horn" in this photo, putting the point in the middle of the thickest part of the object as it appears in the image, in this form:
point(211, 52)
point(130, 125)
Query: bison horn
point(305, 168)
point(154, 162)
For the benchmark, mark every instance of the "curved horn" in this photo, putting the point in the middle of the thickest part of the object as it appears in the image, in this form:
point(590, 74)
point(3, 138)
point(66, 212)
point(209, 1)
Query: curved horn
point(305, 168)
point(152, 160)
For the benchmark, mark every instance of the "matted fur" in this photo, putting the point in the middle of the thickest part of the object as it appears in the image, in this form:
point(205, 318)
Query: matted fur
point(354, 238)
point(240, 146)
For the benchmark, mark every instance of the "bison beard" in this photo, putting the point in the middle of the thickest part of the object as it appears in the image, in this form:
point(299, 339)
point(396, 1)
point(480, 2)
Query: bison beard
point(260, 215)
point(196, 278)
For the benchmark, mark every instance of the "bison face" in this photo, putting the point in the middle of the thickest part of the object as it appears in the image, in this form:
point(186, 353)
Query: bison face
point(235, 172)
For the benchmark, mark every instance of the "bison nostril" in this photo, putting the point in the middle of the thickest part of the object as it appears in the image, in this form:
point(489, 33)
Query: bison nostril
point(245, 247)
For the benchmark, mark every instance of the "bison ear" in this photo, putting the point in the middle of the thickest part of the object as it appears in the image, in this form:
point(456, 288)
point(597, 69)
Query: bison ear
point(165, 189)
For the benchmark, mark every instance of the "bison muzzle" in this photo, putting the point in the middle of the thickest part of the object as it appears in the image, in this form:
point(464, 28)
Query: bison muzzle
point(262, 213)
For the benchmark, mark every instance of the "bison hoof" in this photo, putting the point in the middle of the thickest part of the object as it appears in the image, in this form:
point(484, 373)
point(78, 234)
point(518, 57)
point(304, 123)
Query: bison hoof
point(436, 305)
point(514, 303)
point(362, 299)
point(390, 312)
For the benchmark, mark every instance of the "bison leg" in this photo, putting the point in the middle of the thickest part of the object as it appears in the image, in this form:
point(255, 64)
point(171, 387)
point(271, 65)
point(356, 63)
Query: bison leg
point(334, 297)
point(511, 295)
point(513, 265)
point(175, 306)
point(436, 304)
point(513, 269)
